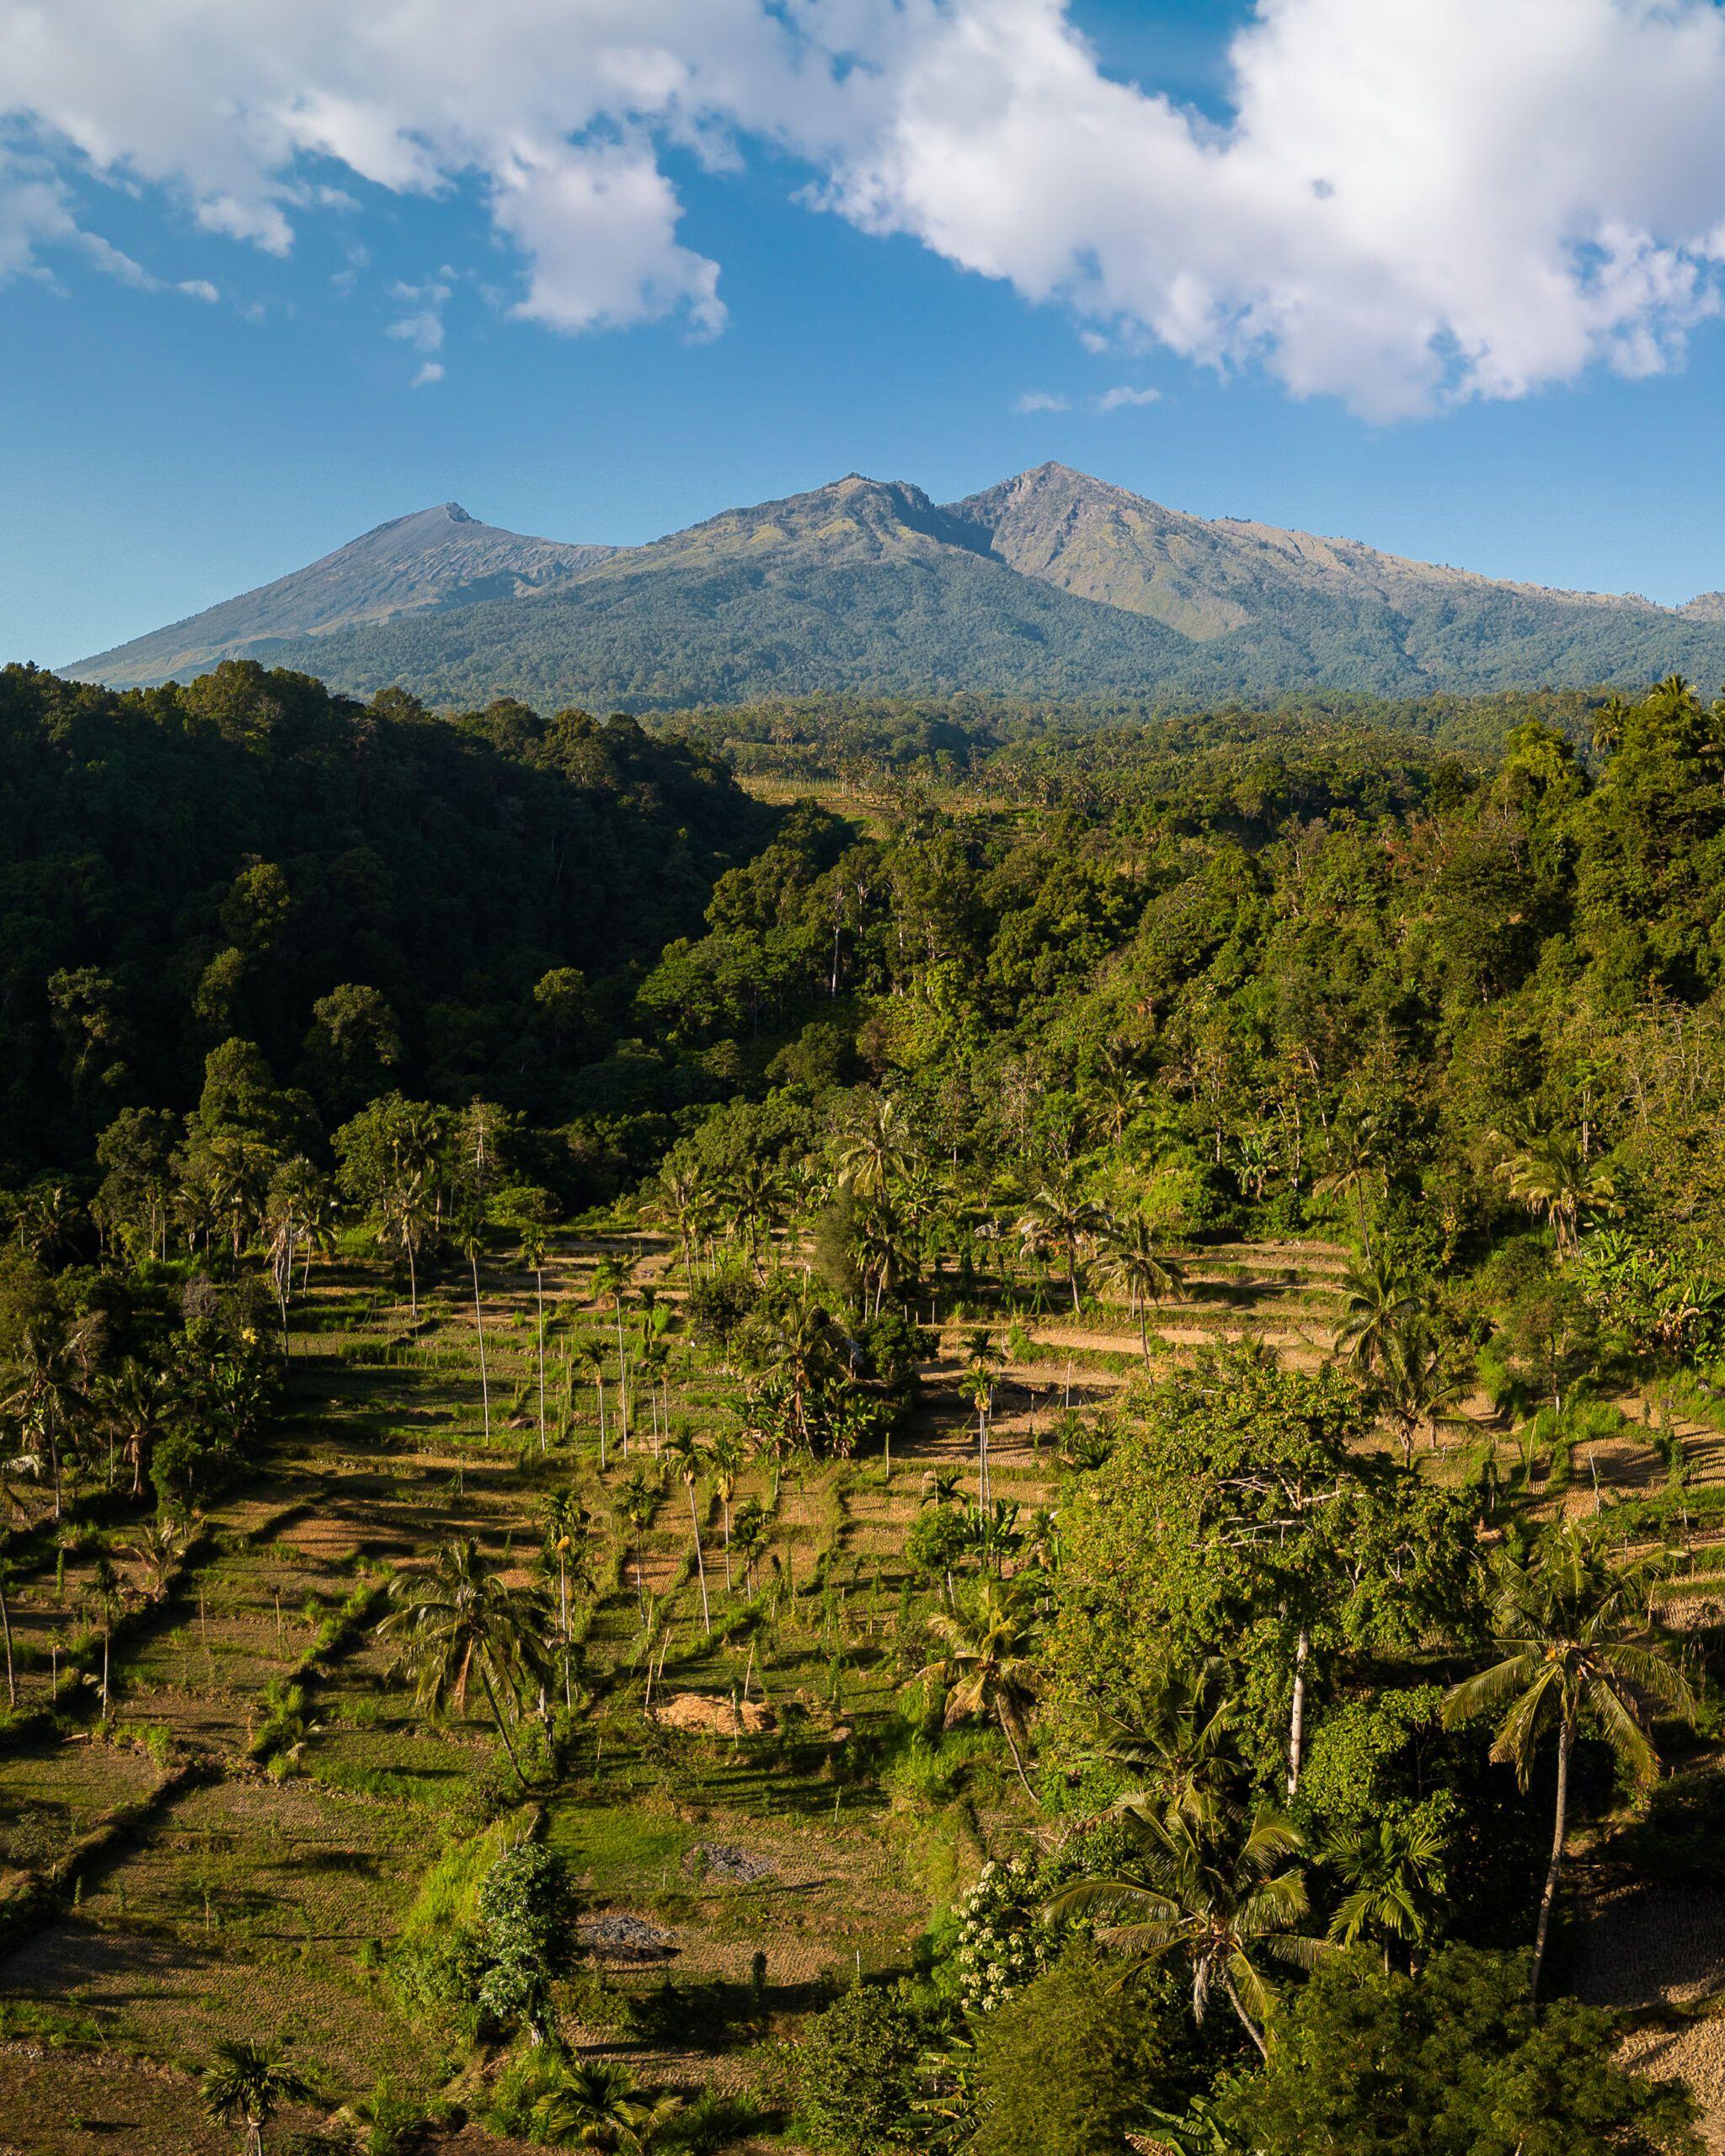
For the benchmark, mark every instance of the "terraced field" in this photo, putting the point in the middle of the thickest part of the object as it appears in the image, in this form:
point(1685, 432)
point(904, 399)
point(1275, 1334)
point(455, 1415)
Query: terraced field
point(729, 1880)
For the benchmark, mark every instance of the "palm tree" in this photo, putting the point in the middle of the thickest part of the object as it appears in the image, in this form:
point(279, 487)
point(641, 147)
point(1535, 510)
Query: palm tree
point(875, 1155)
point(1184, 1741)
point(245, 2085)
point(1391, 1870)
point(6, 1629)
point(988, 1661)
point(159, 1548)
point(804, 1350)
point(566, 1524)
point(592, 1356)
point(454, 1618)
point(533, 1256)
point(727, 1456)
point(1131, 1261)
point(684, 1451)
point(1220, 1903)
point(1375, 1302)
point(470, 1249)
point(105, 1596)
point(1577, 1635)
point(1552, 1176)
point(611, 1284)
point(132, 1402)
point(1058, 1218)
point(638, 1500)
point(598, 2104)
point(1417, 1391)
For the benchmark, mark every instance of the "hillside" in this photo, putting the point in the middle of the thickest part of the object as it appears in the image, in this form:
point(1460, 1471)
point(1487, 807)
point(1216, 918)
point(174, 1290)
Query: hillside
point(1051, 584)
point(434, 558)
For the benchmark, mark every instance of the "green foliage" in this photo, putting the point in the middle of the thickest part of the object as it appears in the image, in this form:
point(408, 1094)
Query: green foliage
point(1071, 2063)
point(854, 2073)
point(1453, 2062)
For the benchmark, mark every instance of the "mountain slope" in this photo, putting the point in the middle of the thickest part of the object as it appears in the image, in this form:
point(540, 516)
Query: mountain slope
point(1050, 584)
point(437, 557)
point(860, 585)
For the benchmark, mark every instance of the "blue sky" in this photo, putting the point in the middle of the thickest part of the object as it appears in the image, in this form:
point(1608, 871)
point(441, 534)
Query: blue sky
point(162, 449)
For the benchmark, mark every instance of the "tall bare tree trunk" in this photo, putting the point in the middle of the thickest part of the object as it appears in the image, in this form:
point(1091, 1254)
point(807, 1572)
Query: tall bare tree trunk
point(1566, 1740)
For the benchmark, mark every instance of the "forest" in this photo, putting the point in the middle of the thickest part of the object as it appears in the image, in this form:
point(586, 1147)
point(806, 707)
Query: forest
point(869, 1425)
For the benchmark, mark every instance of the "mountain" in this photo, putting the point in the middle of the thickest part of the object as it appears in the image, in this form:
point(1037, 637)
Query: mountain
point(1051, 584)
point(437, 557)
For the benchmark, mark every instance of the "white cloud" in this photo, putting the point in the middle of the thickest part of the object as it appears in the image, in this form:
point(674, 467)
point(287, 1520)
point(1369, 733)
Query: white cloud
point(1410, 204)
point(1118, 400)
point(199, 288)
point(1092, 340)
point(431, 372)
point(1042, 400)
point(422, 325)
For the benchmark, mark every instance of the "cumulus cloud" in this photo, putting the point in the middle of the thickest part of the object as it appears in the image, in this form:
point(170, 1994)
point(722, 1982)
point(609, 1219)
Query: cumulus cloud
point(1120, 399)
point(1042, 400)
point(431, 371)
point(1405, 205)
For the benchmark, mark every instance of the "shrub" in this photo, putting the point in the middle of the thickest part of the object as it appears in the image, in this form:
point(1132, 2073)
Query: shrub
point(853, 2076)
point(1071, 2063)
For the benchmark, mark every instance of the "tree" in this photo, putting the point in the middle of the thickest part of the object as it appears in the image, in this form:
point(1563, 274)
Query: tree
point(987, 1662)
point(454, 1618)
point(638, 1500)
point(566, 1524)
point(526, 1910)
point(1577, 1637)
point(1184, 1741)
point(592, 1357)
point(391, 1169)
point(1457, 2062)
point(1554, 1178)
point(726, 1456)
point(245, 2085)
point(471, 1242)
point(1059, 1217)
point(1068, 2066)
point(855, 2074)
point(1246, 1506)
point(1131, 1261)
point(1219, 1902)
point(684, 1453)
point(1392, 1872)
point(1375, 1303)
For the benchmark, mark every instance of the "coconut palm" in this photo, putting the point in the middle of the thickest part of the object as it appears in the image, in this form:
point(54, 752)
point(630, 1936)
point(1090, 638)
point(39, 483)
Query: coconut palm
point(244, 2085)
point(726, 1457)
point(1220, 1902)
point(590, 1355)
point(1130, 1262)
point(988, 1662)
point(454, 1620)
point(611, 1284)
point(566, 1524)
point(1554, 1178)
point(871, 1157)
point(684, 1452)
point(1416, 1391)
point(158, 1548)
point(1375, 1302)
point(132, 1402)
point(1059, 1217)
point(804, 1350)
point(1183, 1742)
point(1577, 1636)
point(638, 1500)
point(105, 1599)
point(533, 1247)
point(471, 1243)
point(1392, 1870)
